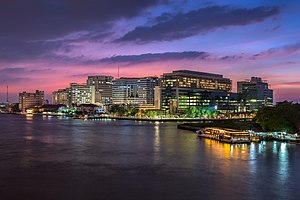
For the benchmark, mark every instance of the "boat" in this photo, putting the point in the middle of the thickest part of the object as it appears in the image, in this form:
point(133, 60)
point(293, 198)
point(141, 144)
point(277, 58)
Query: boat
point(224, 135)
point(255, 139)
point(293, 138)
point(296, 141)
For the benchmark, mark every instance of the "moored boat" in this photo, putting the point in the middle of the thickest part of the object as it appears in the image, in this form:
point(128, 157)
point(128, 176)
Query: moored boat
point(296, 141)
point(225, 135)
point(255, 139)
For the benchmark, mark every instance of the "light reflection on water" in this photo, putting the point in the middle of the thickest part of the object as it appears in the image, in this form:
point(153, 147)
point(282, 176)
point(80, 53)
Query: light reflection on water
point(139, 160)
point(283, 166)
point(156, 143)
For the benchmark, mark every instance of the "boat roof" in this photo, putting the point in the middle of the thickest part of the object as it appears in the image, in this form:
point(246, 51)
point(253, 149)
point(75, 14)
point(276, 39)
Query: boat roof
point(227, 130)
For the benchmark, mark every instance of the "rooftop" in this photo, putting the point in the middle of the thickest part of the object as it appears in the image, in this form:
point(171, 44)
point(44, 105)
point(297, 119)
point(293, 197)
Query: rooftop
point(195, 74)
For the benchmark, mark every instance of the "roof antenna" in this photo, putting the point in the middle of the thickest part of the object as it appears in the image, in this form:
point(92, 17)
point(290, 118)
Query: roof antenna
point(118, 71)
point(7, 94)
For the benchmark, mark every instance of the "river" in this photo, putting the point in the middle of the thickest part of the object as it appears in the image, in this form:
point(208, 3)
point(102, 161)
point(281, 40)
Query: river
point(60, 158)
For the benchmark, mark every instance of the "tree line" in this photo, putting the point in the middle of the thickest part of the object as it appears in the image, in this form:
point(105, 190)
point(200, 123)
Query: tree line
point(284, 116)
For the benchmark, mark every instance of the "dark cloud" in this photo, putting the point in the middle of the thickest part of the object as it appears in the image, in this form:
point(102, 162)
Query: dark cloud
point(26, 24)
point(21, 70)
point(295, 83)
point(13, 49)
point(49, 18)
point(285, 50)
point(12, 70)
point(11, 79)
point(155, 57)
point(290, 63)
point(163, 17)
point(19, 74)
point(198, 21)
point(83, 75)
point(234, 57)
point(289, 48)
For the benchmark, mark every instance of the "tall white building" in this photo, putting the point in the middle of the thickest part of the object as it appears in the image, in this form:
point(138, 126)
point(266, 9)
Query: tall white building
point(80, 94)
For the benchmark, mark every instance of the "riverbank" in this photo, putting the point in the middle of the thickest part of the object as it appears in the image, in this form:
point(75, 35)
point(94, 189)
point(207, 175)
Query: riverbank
point(233, 124)
point(251, 127)
point(161, 119)
point(195, 120)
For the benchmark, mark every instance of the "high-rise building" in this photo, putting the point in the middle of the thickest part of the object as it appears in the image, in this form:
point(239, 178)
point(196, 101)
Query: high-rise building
point(103, 88)
point(147, 86)
point(255, 93)
point(29, 100)
point(183, 88)
point(196, 80)
point(60, 97)
point(157, 97)
point(80, 94)
point(136, 91)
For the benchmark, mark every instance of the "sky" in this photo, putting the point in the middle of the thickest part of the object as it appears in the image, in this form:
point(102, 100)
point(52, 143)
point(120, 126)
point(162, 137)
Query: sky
point(47, 44)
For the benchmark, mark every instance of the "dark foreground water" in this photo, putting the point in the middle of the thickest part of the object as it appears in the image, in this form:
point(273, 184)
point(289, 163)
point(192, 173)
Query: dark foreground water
point(52, 158)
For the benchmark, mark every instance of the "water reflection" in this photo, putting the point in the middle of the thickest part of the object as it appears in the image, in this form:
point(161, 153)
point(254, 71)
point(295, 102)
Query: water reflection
point(228, 151)
point(27, 152)
point(29, 117)
point(283, 164)
point(117, 156)
point(253, 157)
point(157, 138)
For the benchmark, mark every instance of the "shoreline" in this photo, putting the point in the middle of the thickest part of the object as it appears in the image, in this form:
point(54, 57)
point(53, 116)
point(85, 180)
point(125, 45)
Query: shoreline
point(178, 119)
point(191, 120)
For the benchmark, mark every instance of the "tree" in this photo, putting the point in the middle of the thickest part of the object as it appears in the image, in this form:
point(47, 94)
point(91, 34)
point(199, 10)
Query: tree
point(151, 113)
point(285, 116)
point(191, 112)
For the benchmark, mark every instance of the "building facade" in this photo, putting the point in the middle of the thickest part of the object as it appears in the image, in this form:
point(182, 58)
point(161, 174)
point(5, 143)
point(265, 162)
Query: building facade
point(103, 88)
point(196, 80)
point(255, 93)
point(147, 89)
point(60, 97)
point(183, 88)
point(80, 94)
point(30, 100)
point(136, 91)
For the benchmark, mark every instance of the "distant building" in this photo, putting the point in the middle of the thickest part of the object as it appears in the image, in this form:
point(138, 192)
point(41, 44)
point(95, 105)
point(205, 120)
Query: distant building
point(3, 107)
point(183, 88)
point(90, 108)
point(60, 97)
point(147, 86)
point(136, 91)
point(30, 100)
point(255, 93)
point(103, 88)
point(157, 97)
point(80, 94)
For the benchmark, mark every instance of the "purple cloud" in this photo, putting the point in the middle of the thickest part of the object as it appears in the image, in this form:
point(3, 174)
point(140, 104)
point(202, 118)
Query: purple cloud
point(198, 22)
point(156, 57)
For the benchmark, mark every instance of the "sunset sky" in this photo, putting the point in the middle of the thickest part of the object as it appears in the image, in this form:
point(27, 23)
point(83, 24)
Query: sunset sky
point(46, 44)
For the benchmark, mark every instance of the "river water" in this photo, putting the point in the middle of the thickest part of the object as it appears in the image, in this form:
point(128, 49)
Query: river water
point(59, 158)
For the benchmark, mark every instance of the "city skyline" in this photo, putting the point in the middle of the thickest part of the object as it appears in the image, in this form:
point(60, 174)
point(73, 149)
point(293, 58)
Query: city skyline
point(47, 45)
